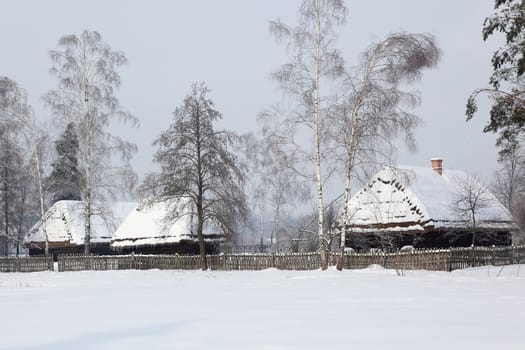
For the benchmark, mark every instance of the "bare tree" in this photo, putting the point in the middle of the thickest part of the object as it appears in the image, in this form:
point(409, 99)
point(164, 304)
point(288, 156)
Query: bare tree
point(35, 137)
point(509, 186)
point(18, 129)
point(285, 188)
point(303, 236)
point(256, 184)
point(509, 179)
point(22, 204)
point(315, 62)
point(86, 70)
point(197, 165)
point(10, 158)
point(473, 196)
point(331, 218)
point(278, 187)
point(376, 109)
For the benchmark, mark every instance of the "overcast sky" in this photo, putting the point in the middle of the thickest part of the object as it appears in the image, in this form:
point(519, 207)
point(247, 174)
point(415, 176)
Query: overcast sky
point(170, 44)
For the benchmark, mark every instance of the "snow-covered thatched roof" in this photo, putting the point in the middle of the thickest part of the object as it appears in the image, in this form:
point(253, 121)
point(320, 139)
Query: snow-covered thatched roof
point(157, 223)
point(415, 199)
point(65, 223)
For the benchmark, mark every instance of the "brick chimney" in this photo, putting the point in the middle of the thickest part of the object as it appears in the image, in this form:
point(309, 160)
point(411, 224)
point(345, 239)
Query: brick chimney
point(437, 165)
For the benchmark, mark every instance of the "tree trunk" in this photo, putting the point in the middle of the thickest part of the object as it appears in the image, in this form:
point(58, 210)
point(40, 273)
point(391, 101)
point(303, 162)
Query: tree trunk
point(317, 136)
point(20, 221)
point(6, 211)
point(200, 236)
point(40, 188)
point(473, 229)
point(200, 197)
point(344, 218)
point(277, 220)
point(350, 153)
point(351, 145)
point(87, 185)
point(261, 216)
point(87, 220)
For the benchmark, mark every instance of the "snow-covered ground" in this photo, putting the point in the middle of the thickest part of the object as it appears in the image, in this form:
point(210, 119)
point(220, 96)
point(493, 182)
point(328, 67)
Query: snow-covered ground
point(365, 309)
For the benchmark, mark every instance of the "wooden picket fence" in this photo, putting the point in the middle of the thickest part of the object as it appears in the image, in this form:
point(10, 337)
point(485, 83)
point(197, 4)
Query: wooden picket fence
point(127, 262)
point(425, 259)
point(439, 259)
point(26, 264)
point(433, 260)
point(226, 262)
point(482, 256)
point(430, 259)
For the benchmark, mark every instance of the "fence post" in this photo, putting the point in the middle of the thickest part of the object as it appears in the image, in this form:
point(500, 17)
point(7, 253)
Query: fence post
point(450, 254)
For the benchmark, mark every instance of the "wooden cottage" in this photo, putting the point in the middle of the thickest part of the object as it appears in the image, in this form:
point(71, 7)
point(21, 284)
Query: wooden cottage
point(147, 230)
point(419, 207)
point(65, 228)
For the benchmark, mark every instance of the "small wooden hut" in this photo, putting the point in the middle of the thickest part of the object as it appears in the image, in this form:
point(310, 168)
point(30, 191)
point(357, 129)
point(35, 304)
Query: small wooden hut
point(162, 228)
point(65, 228)
point(417, 206)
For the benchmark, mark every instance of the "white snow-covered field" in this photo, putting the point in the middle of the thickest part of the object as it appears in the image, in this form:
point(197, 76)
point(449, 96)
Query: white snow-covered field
point(365, 309)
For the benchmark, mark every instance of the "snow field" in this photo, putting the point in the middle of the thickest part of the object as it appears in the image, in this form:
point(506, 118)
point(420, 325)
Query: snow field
point(359, 309)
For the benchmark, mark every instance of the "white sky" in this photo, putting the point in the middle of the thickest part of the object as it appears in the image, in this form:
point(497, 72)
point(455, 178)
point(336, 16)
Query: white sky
point(170, 44)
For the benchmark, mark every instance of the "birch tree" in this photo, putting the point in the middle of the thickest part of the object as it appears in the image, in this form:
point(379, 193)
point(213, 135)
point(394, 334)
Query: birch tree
point(18, 127)
point(314, 63)
point(199, 169)
point(376, 109)
point(87, 79)
point(34, 137)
